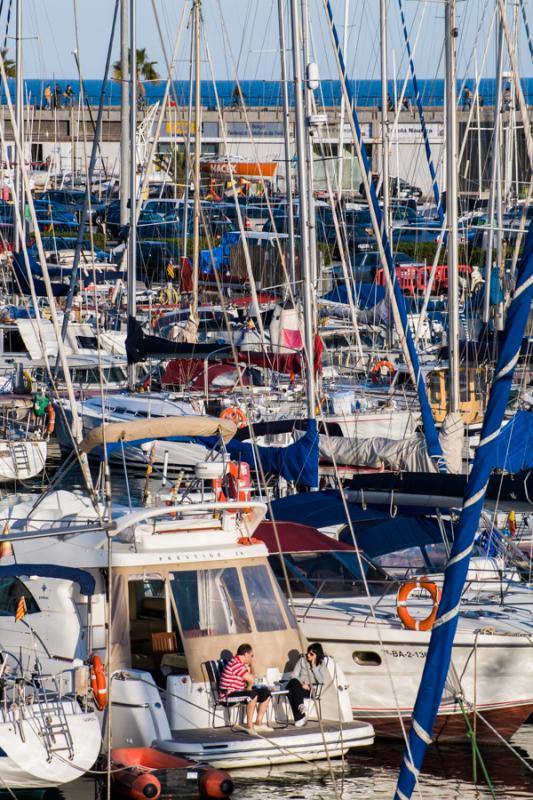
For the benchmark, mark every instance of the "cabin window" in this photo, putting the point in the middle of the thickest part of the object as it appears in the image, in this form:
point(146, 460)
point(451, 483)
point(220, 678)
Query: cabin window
point(263, 599)
point(210, 602)
point(434, 388)
point(464, 385)
point(366, 658)
point(11, 590)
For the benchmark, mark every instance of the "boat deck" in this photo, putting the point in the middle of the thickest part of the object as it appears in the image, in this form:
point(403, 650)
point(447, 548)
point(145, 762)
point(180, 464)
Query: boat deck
point(220, 736)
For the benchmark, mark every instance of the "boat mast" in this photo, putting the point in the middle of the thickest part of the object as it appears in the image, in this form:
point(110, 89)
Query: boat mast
point(311, 82)
point(493, 173)
point(286, 143)
point(124, 121)
point(305, 244)
point(132, 242)
point(450, 37)
point(384, 113)
point(197, 154)
point(187, 160)
point(340, 161)
point(18, 198)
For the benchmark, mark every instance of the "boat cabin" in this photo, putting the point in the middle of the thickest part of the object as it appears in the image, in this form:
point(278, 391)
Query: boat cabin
point(473, 387)
point(179, 616)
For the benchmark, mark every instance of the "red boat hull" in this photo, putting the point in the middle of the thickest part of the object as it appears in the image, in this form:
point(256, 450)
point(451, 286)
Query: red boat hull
point(450, 725)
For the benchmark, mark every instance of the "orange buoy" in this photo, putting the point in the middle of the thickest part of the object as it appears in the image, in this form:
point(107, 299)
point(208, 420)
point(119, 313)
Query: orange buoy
point(402, 599)
point(137, 780)
point(138, 784)
point(235, 414)
point(98, 681)
point(375, 372)
point(214, 782)
point(50, 419)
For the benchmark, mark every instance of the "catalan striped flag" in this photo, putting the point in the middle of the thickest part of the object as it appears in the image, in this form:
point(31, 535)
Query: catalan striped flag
point(21, 609)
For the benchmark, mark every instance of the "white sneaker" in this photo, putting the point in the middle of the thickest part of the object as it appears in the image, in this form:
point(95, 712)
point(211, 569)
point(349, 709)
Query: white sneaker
point(299, 723)
point(264, 728)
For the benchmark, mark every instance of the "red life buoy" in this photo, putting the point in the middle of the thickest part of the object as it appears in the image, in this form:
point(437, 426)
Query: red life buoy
point(98, 681)
point(50, 419)
point(236, 415)
point(375, 372)
point(402, 599)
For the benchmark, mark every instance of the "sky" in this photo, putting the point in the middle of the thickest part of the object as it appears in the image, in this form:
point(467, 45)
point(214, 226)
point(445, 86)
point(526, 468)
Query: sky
point(242, 37)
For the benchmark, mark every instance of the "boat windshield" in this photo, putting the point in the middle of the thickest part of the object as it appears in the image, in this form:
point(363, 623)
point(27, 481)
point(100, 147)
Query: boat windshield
point(210, 602)
point(12, 590)
point(423, 559)
point(263, 599)
point(329, 574)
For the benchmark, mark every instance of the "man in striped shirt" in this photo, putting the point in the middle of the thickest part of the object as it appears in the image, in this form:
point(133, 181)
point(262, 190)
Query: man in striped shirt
point(237, 682)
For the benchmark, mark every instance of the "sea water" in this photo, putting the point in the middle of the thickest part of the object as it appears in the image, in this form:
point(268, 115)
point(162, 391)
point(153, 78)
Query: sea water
point(370, 773)
point(259, 94)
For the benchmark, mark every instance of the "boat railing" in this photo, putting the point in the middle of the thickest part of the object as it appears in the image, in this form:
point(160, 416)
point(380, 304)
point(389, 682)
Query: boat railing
point(134, 518)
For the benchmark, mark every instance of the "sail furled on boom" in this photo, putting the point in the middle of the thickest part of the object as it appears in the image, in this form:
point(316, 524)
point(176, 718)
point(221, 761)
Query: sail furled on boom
point(443, 632)
point(397, 298)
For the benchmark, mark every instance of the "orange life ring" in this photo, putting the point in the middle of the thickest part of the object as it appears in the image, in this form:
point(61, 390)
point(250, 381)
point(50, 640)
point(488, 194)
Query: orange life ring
point(402, 599)
point(98, 681)
point(375, 372)
point(235, 414)
point(50, 419)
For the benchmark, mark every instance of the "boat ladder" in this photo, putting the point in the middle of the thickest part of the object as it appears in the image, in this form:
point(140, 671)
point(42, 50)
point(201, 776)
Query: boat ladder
point(21, 461)
point(56, 735)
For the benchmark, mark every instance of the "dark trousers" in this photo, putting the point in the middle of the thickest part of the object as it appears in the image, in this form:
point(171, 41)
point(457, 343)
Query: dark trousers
point(297, 695)
point(261, 692)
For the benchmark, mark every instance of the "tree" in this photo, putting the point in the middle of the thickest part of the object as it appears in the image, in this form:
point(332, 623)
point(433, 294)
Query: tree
point(9, 65)
point(145, 69)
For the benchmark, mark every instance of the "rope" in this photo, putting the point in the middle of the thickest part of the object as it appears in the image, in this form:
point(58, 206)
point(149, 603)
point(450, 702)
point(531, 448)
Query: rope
point(475, 749)
point(8, 19)
point(526, 26)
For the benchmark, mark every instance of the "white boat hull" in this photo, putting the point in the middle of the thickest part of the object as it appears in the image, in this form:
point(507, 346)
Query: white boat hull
point(26, 762)
point(227, 749)
point(21, 460)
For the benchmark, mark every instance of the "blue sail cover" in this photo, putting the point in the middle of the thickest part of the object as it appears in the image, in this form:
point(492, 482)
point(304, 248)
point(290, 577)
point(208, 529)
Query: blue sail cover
point(367, 295)
point(443, 632)
point(428, 423)
point(513, 447)
point(297, 462)
point(19, 265)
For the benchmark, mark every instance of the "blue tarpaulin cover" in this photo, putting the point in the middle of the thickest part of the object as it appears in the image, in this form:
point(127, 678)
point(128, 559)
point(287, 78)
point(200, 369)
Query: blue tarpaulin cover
point(514, 444)
point(366, 295)
point(84, 579)
point(296, 462)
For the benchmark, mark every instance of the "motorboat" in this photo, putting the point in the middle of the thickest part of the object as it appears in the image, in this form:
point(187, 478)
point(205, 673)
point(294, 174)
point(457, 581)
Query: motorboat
point(189, 584)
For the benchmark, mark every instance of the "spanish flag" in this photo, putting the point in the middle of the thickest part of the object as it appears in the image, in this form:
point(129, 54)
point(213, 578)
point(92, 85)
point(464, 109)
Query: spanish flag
point(21, 609)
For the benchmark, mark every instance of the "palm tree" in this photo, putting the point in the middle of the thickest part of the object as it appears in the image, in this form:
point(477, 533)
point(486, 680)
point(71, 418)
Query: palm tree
point(145, 69)
point(9, 65)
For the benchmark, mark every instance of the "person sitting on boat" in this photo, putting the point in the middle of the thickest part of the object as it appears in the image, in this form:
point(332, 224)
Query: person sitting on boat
point(237, 682)
point(309, 673)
